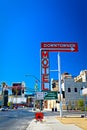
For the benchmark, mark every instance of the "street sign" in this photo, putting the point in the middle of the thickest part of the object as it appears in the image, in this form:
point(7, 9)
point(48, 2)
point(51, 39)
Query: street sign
point(50, 95)
point(39, 96)
point(60, 46)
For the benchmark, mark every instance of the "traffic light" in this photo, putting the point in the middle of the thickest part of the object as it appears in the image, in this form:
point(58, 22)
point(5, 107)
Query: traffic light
point(54, 85)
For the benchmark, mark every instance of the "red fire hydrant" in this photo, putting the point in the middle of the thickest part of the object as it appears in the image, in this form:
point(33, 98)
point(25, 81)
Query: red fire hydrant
point(39, 116)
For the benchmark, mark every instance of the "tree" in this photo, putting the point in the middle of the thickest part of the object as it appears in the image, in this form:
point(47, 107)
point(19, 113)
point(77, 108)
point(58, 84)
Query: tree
point(3, 85)
point(81, 104)
point(4, 94)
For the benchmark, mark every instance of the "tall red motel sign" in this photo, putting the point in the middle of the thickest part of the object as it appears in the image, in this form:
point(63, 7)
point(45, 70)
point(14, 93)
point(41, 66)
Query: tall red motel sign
point(47, 47)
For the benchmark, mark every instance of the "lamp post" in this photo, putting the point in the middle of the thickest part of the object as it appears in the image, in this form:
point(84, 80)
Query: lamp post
point(29, 75)
point(37, 80)
point(36, 85)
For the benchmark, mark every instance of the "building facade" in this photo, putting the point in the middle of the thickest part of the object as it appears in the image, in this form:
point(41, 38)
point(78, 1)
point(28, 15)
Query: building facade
point(82, 77)
point(71, 90)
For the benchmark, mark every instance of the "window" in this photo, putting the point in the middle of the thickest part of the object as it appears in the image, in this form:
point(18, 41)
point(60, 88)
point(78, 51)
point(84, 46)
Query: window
point(54, 85)
point(81, 88)
point(75, 89)
point(69, 89)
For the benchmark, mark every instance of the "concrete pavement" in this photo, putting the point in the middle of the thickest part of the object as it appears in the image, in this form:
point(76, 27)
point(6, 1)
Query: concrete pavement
point(51, 123)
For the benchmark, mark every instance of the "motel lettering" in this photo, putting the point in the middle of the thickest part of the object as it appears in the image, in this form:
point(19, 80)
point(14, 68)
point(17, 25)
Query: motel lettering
point(45, 70)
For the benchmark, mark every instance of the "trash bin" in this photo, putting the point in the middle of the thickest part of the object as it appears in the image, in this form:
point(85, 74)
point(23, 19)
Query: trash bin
point(52, 109)
point(56, 109)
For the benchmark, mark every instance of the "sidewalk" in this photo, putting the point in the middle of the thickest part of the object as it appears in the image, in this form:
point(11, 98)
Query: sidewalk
point(51, 123)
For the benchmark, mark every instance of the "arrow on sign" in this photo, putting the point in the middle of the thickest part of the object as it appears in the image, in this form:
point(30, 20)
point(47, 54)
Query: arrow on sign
point(60, 46)
point(60, 49)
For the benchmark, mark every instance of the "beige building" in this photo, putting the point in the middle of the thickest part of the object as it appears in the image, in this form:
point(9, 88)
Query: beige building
point(82, 77)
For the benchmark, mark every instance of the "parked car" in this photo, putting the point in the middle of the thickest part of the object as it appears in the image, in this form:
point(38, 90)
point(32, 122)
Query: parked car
point(4, 108)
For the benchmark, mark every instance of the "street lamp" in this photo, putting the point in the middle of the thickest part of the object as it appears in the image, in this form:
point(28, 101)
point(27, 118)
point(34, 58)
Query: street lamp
point(27, 75)
point(37, 80)
point(36, 85)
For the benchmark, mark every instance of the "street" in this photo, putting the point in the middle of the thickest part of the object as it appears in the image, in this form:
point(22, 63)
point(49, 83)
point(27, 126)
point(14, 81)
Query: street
point(19, 119)
point(15, 119)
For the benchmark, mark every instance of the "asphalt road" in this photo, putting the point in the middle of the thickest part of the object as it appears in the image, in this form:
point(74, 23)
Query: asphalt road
point(20, 119)
point(15, 119)
point(69, 113)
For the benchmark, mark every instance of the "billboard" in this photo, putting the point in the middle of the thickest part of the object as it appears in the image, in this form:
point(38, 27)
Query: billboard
point(16, 88)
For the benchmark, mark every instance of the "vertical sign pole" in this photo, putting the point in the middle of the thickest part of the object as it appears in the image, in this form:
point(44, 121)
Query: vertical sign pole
point(40, 79)
point(59, 76)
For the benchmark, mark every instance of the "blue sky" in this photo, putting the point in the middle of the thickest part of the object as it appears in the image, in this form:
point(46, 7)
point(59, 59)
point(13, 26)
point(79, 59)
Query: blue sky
point(24, 24)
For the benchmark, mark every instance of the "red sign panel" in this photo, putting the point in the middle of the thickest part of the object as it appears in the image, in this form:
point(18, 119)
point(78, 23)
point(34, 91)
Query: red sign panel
point(47, 47)
point(60, 46)
point(45, 70)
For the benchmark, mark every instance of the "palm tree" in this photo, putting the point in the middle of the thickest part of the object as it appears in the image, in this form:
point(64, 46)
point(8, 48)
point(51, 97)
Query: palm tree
point(3, 86)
